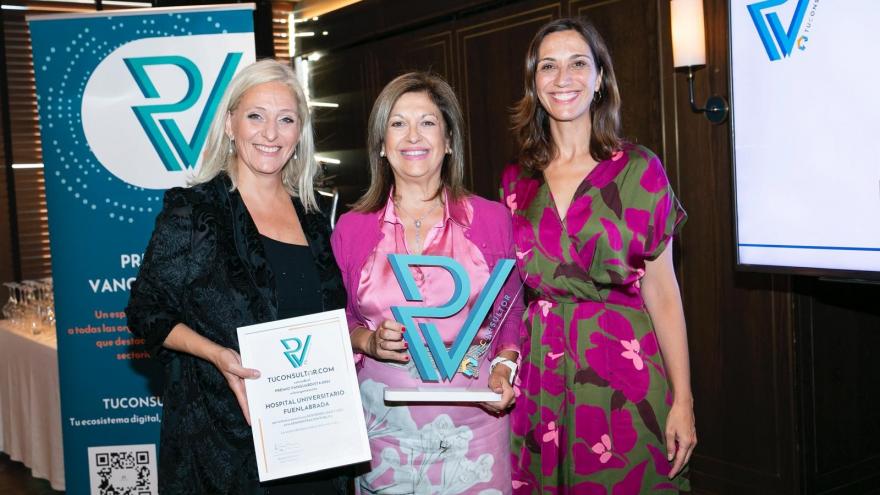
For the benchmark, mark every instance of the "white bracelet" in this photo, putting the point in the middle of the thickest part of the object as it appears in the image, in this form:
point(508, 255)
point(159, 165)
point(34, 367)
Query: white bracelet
point(506, 362)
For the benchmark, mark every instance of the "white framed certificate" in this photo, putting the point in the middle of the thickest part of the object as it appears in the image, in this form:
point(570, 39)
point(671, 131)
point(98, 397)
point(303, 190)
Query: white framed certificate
point(306, 412)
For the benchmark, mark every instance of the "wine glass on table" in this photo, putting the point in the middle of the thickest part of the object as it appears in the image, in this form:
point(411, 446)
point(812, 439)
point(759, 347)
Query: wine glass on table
point(12, 308)
point(47, 302)
point(7, 308)
point(30, 317)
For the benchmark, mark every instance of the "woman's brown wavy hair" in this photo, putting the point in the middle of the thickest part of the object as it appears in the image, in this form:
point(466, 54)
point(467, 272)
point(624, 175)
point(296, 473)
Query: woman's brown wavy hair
point(381, 175)
point(531, 123)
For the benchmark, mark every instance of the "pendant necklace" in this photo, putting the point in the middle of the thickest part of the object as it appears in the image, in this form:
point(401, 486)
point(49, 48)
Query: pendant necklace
point(417, 222)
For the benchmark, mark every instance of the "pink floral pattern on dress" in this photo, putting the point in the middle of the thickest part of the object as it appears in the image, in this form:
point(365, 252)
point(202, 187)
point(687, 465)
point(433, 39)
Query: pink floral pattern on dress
point(553, 441)
point(604, 443)
point(619, 358)
point(591, 396)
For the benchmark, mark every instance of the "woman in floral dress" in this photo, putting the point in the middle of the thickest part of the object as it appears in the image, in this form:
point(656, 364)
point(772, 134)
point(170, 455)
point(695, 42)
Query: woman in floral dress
point(604, 402)
point(417, 204)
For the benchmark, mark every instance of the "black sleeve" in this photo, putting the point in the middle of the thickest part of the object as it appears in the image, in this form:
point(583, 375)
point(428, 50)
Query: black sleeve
point(157, 295)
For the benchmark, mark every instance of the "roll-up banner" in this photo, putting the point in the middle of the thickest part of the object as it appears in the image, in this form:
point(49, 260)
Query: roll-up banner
point(125, 101)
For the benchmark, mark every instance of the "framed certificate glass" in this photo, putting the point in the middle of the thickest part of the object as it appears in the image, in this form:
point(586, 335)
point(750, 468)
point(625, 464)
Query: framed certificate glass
point(306, 412)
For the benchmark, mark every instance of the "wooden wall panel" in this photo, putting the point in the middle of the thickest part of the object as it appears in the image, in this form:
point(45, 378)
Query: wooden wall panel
point(33, 234)
point(24, 124)
point(30, 194)
point(280, 12)
point(839, 326)
point(429, 51)
point(630, 30)
point(492, 50)
point(6, 266)
point(370, 21)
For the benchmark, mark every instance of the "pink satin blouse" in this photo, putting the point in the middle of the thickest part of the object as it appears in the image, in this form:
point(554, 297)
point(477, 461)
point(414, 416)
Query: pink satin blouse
point(379, 290)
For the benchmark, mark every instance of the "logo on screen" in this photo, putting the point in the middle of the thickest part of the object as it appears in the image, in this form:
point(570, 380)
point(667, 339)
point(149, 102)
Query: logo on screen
point(296, 350)
point(187, 150)
point(148, 105)
point(779, 41)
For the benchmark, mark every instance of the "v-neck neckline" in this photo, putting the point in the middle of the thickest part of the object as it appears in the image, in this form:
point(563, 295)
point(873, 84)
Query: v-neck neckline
point(581, 189)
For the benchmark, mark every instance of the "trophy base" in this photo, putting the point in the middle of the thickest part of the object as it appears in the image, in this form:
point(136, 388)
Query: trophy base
point(446, 394)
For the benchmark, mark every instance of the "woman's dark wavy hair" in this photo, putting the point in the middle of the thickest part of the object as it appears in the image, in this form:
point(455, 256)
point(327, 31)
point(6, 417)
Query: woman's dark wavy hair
point(531, 123)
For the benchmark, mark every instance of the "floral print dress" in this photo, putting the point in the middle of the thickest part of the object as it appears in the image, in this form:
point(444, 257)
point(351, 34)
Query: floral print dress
point(425, 448)
point(592, 392)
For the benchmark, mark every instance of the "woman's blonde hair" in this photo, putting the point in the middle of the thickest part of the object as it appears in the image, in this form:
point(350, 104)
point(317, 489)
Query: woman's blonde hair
point(300, 172)
point(452, 169)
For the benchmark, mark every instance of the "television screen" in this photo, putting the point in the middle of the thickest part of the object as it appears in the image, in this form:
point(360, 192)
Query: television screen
point(805, 91)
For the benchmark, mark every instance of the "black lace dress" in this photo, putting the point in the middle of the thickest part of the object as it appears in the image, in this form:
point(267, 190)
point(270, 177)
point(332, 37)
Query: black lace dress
point(206, 266)
point(299, 293)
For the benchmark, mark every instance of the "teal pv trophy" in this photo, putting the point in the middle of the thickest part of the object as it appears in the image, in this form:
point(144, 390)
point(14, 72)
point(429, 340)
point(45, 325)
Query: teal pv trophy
point(435, 361)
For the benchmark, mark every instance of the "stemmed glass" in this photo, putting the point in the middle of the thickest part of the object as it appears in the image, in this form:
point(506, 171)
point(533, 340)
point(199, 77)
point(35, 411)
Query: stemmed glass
point(13, 310)
point(47, 296)
point(30, 306)
point(11, 304)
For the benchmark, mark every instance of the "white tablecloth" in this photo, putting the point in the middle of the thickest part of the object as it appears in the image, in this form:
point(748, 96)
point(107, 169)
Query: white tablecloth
point(30, 404)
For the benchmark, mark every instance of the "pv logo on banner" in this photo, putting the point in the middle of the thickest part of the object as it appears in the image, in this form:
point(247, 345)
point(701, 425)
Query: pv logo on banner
point(771, 31)
point(187, 149)
point(175, 86)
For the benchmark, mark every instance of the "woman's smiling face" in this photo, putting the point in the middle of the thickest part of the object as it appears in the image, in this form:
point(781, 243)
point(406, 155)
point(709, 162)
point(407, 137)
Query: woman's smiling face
point(566, 77)
point(415, 137)
point(265, 128)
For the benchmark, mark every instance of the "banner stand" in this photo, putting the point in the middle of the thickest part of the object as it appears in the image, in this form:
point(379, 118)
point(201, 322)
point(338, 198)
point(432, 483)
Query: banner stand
point(125, 99)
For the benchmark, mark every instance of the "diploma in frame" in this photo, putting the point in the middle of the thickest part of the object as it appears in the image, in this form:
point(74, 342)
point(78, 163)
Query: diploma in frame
point(306, 412)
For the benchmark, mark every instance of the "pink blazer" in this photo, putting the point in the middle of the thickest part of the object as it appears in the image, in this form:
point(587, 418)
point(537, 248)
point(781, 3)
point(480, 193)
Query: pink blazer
point(357, 234)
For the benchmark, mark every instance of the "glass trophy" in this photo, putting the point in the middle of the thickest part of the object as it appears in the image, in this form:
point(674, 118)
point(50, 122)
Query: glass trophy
point(438, 363)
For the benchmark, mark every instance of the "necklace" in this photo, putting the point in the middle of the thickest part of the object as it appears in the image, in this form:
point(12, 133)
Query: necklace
point(417, 222)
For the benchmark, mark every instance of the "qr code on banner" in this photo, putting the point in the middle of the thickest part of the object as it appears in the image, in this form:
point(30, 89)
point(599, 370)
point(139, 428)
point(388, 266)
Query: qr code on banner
point(123, 470)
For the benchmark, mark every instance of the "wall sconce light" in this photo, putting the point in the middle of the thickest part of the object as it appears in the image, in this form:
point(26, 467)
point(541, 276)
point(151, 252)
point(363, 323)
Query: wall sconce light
point(689, 51)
